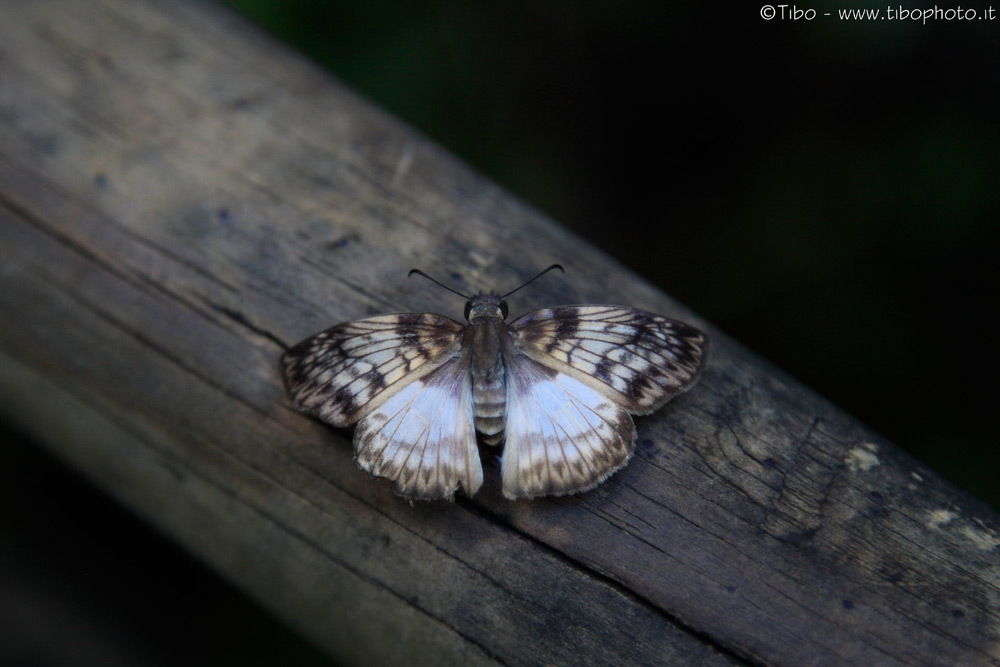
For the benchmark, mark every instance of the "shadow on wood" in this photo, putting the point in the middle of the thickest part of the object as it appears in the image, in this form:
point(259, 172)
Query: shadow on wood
point(181, 198)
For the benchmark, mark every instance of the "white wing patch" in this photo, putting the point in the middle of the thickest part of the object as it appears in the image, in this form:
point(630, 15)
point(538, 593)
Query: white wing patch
point(423, 436)
point(562, 435)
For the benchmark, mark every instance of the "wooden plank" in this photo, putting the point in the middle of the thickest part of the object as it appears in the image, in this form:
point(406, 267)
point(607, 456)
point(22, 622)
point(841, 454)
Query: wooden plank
point(180, 198)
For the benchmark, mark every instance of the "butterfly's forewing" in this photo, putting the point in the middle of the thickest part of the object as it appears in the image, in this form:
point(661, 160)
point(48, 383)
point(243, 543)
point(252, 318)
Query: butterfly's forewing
point(423, 436)
point(345, 372)
point(562, 436)
point(638, 359)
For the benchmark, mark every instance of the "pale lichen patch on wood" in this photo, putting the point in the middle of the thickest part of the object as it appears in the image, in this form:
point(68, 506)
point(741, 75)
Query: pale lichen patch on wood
point(981, 536)
point(983, 539)
point(939, 517)
point(863, 457)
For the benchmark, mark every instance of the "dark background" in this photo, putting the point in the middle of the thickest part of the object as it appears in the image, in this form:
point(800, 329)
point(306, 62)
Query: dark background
point(824, 191)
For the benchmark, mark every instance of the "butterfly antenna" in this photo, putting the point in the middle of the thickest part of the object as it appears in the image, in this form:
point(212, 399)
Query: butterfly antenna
point(554, 266)
point(437, 282)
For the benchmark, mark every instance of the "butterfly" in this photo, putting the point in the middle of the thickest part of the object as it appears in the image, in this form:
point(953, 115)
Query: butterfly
point(555, 387)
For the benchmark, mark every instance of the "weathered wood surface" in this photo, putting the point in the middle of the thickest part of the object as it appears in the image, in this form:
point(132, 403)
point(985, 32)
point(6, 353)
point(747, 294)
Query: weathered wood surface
point(180, 198)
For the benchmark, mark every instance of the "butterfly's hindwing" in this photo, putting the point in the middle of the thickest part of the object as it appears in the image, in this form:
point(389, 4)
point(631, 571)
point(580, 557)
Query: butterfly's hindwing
point(423, 436)
point(639, 359)
point(343, 373)
point(562, 435)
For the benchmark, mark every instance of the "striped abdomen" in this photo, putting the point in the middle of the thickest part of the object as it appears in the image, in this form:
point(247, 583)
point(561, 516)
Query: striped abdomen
point(489, 398)
point(489, 389)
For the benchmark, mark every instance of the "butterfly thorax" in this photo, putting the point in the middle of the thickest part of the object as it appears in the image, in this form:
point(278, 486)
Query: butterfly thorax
point(484, 338)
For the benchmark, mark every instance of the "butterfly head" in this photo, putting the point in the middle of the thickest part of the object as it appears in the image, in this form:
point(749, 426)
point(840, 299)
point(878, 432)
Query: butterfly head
point(486, 306)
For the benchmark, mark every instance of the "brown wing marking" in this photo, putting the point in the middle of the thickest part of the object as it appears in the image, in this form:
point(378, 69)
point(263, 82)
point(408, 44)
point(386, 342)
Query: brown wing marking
point(639, 359)
point(343, 373)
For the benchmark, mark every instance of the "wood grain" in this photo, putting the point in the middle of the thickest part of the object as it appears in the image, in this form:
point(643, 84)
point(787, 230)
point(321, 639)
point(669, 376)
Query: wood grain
point(181, 198)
